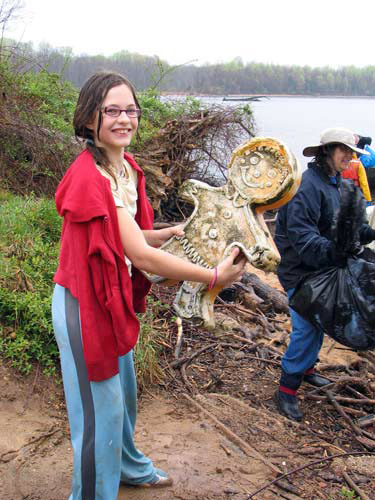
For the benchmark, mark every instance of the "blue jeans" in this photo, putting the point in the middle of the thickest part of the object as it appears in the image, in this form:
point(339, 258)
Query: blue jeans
point(303, 350)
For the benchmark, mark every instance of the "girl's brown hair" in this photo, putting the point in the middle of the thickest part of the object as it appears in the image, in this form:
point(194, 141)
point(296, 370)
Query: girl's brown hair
point(89, 102)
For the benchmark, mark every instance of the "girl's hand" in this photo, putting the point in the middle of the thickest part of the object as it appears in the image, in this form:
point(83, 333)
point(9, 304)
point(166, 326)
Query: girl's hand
point(160, 236)
point(228, 271)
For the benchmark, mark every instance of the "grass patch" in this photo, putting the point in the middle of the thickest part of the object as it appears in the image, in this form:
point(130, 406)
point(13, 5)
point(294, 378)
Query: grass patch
point(152, 340)
point(29, 242)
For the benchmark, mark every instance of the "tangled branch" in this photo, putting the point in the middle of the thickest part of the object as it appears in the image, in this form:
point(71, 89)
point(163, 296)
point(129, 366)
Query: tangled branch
point(196, 146)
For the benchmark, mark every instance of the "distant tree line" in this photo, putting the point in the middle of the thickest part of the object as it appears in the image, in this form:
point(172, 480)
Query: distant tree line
point(233, 77)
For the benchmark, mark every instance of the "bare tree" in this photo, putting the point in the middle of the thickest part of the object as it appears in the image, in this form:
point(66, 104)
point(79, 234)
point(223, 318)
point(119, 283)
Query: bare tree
point(10, 11)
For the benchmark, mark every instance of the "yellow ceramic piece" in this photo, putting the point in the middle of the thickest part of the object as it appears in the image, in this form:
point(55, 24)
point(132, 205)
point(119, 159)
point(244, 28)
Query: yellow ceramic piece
point(263, 174)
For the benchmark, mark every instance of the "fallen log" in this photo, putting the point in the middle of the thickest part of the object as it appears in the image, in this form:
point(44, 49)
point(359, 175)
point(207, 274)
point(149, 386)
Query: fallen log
point(278, 299)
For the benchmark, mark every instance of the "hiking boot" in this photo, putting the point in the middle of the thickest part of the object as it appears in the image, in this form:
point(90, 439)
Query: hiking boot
point(288, 405)
point(316, 380)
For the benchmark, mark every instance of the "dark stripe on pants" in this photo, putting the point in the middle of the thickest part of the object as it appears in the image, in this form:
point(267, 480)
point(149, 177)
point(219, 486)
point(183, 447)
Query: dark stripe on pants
point(88, 440)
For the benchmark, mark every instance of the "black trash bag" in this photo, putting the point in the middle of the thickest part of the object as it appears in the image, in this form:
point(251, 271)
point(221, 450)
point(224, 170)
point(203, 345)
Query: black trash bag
point(349, 219)
point(340, 300)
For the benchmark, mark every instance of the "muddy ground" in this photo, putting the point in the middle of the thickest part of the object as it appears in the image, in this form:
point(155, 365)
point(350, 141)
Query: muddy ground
point(225, 442)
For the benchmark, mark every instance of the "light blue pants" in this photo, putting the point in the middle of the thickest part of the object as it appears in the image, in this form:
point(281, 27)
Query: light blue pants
point(101, 415)
point(304, 345)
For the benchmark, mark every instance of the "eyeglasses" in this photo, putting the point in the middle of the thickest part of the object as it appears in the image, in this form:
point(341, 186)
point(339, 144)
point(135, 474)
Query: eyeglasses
point(116, 112)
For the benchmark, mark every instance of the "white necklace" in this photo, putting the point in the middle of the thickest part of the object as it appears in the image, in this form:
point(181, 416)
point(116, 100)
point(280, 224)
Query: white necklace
point(123, 172)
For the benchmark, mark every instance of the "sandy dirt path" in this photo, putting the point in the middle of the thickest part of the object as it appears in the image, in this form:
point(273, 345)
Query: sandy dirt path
point(36, 456)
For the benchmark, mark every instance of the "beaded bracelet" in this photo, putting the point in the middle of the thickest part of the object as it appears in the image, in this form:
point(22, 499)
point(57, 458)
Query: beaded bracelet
point(214, 280)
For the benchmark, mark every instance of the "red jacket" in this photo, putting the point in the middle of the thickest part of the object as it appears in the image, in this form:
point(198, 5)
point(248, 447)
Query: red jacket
point(92, 264)
point(351, 173)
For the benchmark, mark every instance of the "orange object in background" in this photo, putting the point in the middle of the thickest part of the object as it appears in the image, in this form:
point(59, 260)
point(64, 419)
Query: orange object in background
point(357, 173)
point(352, 172)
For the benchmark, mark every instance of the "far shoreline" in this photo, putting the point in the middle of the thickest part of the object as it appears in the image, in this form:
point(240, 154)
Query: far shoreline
point(316, 96)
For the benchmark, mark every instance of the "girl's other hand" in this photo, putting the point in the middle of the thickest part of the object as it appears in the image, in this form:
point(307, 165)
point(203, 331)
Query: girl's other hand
point(157, 237)
point(176, 231)
point(163, 235)
point(229, 271)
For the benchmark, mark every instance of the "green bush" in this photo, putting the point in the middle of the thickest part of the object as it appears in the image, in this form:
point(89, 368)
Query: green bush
point(36, 132)
point(50, 100)
point(29, 242)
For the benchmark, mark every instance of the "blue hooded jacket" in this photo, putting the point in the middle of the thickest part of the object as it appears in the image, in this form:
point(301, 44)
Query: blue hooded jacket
point(368, 161)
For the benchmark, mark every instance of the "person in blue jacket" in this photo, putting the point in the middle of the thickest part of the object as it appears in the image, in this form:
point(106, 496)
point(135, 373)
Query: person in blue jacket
point(368, 158)
point(303, 237)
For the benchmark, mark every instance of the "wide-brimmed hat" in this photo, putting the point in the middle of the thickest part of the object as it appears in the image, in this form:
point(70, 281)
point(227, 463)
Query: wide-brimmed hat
point(338, 136)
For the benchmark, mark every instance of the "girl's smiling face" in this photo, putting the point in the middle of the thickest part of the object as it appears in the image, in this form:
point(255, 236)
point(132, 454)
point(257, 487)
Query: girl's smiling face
point(115, 134)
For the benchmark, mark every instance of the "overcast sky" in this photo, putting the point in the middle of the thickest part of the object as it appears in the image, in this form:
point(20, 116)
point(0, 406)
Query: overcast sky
point(315, 32)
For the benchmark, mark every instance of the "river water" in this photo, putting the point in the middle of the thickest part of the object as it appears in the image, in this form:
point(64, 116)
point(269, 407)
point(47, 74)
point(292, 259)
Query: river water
point(298, 121)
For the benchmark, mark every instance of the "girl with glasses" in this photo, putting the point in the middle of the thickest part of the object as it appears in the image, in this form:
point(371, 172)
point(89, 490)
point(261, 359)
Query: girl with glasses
point(107, 239)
